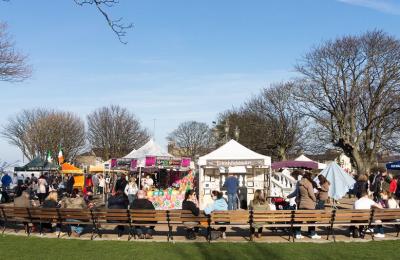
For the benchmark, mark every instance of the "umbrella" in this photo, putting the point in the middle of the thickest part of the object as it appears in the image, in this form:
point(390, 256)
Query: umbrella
point(341, 181)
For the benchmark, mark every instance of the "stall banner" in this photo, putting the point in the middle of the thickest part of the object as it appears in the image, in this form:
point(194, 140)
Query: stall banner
point(167, 162)
point(150, 161)
point(229, 163)
point(113, 163)
point(121, 164)
point(133, 164)
point(185, 162)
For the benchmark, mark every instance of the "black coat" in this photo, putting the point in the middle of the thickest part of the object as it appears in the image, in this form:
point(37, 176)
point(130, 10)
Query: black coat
point(118, 202)
point(142, 204)
point(70, 184)
point(189, 205)
point(50, 204)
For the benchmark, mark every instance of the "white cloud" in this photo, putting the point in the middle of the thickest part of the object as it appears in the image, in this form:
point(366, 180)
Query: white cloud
point(386, 6)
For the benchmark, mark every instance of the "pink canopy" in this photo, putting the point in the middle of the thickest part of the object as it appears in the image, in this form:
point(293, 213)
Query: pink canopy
point(295, 164)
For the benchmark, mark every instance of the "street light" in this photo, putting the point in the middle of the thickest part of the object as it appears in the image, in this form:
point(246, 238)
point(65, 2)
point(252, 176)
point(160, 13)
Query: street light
point(226, 128)
point(237, 132)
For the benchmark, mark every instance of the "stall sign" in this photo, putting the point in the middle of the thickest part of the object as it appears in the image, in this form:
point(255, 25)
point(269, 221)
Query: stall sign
point(185, 162)
point(167, 162)
point(113, 163)
point(150, 161)
point(229, 163)
point(121, 164)
point(133, 164)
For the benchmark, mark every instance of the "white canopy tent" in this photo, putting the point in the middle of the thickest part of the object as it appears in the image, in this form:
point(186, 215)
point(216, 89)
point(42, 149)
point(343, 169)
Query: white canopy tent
point(151, 148)
point(129, 155)
point(303, 158)
point(249, 166)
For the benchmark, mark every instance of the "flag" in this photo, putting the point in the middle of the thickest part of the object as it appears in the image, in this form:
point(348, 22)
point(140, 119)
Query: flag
point(49, 159)
point(60, 156)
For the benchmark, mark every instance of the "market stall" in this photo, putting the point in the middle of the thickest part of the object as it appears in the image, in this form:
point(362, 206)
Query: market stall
point(36, 167)
point(164, 177)
point(78, 174)
point(249, 167)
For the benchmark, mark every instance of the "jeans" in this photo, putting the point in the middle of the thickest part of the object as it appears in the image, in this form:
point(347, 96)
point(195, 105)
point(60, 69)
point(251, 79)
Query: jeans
point(144, 230)
point(320, 204)
point(232, 201)
point(77, 229)
point(131, 198)
point(311, 231)
point(379, 229)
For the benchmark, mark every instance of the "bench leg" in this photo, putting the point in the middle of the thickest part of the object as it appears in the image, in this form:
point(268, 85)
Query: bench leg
point(170, 237)
point(209, 234)
point(398, 230)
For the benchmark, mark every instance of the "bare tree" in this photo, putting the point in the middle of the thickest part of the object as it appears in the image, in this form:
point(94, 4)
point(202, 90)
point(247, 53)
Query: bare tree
point(285, 125)
point(268, 122)
point(351, 90)
point(116, 26)
point(35, 132)
point(13, 64)
point(114, 131)
point(192, 138)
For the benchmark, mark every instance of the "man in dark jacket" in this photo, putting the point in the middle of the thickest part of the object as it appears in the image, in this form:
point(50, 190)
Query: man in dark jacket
point(118, 201)
point(70, 184)
point(142, 203)
point(232, 184)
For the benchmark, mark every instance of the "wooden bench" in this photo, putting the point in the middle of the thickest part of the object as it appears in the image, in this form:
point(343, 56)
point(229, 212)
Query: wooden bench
point(15, 215)
point(289, 219)
point(170, 218)
point(234, 218)
point(111, 217)
point(71, 217)
point(386, 217)
point(40, 216)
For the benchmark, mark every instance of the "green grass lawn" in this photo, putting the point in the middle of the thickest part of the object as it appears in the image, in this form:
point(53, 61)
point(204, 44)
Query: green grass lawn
point(12, 247)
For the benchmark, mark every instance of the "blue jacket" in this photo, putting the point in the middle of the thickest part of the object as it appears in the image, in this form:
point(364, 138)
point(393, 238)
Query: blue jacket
point(6, 180)
point(231, 184)
point(219, 204)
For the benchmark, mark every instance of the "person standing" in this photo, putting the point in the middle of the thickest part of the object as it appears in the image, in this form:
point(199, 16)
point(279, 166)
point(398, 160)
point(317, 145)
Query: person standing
point(102, 184)
point(95, 181)
point(232, 184)
point(42, 187)
point(393, 184)
point(70, 184)
point(307, 200)
point(6, 180)
point(323, 192)
point(361, 185)
point(131, 189)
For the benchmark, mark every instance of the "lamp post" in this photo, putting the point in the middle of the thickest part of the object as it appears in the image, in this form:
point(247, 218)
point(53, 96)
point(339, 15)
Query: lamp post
point(237, 132)
point(226, 128)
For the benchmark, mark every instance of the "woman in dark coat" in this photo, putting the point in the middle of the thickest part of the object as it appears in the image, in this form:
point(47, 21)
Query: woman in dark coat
point(190, 203)
point(118, 201)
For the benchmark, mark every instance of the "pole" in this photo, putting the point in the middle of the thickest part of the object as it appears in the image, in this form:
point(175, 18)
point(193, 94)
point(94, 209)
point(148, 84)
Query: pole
point(140, 176)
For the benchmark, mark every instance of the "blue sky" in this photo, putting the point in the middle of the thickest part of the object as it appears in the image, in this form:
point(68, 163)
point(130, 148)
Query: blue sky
point(185, 60)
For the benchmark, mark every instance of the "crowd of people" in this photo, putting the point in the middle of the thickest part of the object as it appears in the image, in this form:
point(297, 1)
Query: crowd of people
point(52, 190)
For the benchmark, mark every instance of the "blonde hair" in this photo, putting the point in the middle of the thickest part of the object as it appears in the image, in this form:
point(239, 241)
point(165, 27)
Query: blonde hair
point(362, 177)
point(52, 196)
